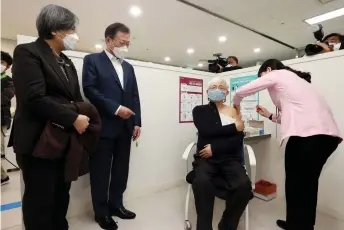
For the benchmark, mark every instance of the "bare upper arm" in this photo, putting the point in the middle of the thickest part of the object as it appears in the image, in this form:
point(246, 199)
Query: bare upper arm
point(229, 111)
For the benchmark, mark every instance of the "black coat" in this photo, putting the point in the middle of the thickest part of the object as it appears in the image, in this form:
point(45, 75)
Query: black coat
point(55, 142)
point(7, 93)
point(226, 142)
point(41, 90)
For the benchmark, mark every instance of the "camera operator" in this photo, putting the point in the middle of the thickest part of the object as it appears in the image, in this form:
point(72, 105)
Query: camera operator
point(332, 42)
point(233, 64)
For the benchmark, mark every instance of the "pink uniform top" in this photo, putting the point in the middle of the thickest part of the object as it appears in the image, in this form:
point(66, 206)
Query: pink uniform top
point(303, 110)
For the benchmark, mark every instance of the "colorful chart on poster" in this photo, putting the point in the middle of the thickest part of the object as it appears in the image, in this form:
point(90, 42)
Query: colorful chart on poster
point(248, 105)
point(190, 96)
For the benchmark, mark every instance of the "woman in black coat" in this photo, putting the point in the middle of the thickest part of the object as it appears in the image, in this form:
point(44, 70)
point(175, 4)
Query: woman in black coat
point(45, 79)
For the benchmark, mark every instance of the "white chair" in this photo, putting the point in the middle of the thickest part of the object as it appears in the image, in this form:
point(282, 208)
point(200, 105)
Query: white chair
point(250, 160)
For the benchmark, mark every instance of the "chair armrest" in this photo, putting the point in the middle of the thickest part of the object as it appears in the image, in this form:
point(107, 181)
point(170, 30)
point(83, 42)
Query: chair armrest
point(188, 150)
point(252, 162)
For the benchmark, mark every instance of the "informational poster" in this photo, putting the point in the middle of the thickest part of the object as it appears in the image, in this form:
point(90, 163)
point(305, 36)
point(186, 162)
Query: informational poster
point(248, 105)
point(190, 96)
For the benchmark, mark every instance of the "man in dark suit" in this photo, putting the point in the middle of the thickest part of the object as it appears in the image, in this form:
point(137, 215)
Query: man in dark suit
point(109, 83)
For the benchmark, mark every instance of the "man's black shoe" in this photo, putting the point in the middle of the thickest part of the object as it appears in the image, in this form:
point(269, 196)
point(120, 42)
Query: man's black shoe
point(106, 222)
point(282, 224)
point(123, 213)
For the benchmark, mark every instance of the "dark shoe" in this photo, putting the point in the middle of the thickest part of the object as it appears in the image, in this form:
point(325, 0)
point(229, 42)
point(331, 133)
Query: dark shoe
point(282, 224)
point(123, 213)
point(5, 180)
point(106, 222)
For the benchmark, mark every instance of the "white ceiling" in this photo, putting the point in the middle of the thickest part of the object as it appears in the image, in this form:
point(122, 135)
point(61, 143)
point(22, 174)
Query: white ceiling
point(169, 28)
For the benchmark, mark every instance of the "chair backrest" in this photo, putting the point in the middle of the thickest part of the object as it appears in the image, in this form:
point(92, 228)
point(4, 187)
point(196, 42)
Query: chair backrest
point(188, 151)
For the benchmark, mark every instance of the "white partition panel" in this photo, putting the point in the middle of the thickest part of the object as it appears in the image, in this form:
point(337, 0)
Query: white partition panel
point(155, 162)
point(328, 76)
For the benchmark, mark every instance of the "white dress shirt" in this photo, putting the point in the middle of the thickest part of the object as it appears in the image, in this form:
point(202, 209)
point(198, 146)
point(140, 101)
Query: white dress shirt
point(117, 64)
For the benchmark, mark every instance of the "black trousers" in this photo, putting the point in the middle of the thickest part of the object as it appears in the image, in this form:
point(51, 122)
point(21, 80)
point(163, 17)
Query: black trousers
point(46, 194)
point(109, 168)
point(239, 192)
point(304, 160)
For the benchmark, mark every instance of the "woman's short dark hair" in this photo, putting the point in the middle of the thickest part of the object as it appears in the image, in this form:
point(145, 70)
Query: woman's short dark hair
point(275, 64)
point(114, 28)
point(6, 57)
point(54, 18)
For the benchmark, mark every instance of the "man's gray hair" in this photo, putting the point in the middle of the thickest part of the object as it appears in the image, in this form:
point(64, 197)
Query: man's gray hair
point(217, 81)
point(53, 18)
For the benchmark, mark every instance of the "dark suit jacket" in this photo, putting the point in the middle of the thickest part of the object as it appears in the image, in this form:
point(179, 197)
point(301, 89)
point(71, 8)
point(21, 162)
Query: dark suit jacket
point(226, 142)
point(103, 89)
point(41, 90)
point(56, 143)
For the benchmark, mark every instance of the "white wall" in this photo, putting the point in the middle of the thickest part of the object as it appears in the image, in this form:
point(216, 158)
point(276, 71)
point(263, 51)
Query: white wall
point(328, 76)
point(156, 163)
point(8, 45)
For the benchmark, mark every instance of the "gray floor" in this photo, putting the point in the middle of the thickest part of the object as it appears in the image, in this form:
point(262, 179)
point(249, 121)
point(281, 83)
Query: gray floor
point(165, 211)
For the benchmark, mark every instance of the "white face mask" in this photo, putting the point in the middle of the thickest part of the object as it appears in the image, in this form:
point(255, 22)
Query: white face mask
point(3, 68)
point(70, 41)
point(119, 51)
point(337, 46)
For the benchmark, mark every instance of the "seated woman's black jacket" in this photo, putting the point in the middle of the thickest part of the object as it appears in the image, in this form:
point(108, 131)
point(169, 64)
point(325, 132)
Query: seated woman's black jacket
point(226, 142)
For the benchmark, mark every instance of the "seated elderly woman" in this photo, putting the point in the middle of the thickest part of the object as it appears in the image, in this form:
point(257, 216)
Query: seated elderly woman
point(219, 153)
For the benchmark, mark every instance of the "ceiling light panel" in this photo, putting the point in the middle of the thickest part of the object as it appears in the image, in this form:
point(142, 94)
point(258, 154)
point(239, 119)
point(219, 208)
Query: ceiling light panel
point(326, 16)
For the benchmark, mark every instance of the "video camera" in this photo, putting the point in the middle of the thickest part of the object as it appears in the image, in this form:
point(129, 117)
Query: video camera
point(213, 64)
point(313, 49)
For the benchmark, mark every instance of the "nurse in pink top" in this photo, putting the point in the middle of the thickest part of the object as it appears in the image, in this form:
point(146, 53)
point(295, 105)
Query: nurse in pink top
point(306, 119)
